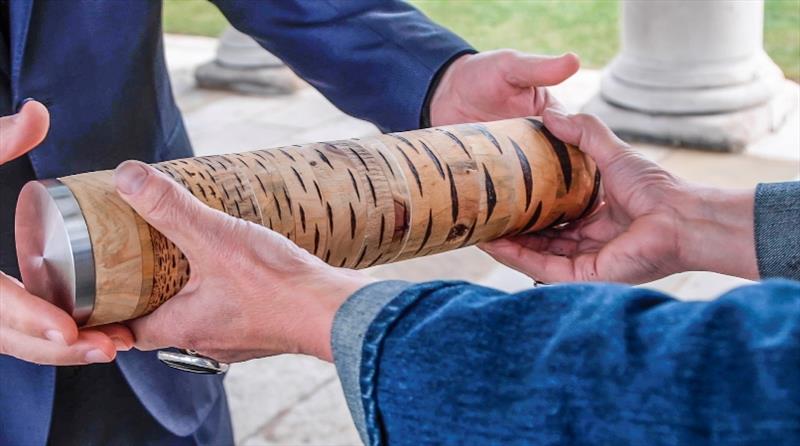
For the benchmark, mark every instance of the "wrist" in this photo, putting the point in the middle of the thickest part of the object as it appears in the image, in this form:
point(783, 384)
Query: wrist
point(328, 290)
point(442, 97)
point(716, 233)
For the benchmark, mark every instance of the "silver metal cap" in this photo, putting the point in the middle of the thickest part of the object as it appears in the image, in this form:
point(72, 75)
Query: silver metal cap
point(54, 249)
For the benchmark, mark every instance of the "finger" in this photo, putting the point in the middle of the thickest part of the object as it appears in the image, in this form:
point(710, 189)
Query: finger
point(23, 131)
point(586, 132)
point(544, 267)
point(161, 329)
point(120, 335)
point(34, 316)
point(167, 206)
point(90, 347)
point(526, 70)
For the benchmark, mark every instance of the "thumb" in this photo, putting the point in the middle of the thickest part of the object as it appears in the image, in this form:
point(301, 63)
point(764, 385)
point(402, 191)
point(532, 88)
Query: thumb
point(23, 131)
point(526, 70)
point(586, 132)
point(166, 206)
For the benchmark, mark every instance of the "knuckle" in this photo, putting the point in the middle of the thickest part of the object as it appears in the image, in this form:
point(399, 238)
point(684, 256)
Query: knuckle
point(166, 204)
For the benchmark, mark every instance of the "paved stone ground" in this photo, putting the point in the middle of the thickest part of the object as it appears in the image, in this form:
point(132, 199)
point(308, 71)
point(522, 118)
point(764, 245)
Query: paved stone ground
point(292, 400)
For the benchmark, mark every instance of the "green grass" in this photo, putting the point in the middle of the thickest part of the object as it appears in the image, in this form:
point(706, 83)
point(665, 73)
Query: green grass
point(588, 28)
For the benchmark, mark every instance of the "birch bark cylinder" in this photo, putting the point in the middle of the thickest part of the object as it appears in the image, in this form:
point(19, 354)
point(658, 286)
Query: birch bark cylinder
point(353, 203)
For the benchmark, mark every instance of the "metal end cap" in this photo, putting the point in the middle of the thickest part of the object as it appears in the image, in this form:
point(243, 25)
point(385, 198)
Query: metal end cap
point(54, 249)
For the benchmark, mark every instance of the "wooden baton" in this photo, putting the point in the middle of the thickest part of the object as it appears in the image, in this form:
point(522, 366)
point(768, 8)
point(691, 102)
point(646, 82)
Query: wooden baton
point(354, 203)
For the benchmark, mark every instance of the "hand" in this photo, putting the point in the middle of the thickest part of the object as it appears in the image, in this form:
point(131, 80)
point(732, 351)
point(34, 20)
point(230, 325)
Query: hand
point(650, 224)
point(252, 292)
point(498, 85)
point(32, 329)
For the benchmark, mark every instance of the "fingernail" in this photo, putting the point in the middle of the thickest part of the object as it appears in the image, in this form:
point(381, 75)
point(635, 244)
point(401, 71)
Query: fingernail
point(96, 355)
point(120, 344)
point(130, 177)
point(22, 104)
point(55, 336)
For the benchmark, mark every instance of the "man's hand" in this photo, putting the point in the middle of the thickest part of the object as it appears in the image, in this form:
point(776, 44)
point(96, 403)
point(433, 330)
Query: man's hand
point(252, 292)
point(650, 225)
point(498, 85)
point(32, 329)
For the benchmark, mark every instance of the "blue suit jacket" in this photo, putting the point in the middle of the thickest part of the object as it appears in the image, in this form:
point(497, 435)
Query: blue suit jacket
point(99, 68)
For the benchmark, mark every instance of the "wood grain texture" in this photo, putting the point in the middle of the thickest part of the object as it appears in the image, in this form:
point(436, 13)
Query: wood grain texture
point(353, 203)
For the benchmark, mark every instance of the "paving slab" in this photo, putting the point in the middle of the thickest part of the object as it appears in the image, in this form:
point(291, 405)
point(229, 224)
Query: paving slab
point(291, 400)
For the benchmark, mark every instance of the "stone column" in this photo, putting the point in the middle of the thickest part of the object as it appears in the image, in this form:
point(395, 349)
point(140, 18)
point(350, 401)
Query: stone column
point(693, 74)
point(242, 65)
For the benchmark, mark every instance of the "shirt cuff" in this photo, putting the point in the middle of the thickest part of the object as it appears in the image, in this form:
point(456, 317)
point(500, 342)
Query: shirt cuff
point(777, 236)
point(349, 328)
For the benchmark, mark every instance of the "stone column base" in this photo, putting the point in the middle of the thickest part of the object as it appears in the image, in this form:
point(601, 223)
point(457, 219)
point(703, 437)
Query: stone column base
point(728, 132)
point(266, 81)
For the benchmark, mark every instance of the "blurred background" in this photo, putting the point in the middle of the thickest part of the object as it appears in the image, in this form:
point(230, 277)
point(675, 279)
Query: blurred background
point(586, 27)
point(255, 102)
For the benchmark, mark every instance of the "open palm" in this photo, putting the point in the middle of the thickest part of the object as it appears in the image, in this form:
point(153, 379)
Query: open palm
point(632, 236)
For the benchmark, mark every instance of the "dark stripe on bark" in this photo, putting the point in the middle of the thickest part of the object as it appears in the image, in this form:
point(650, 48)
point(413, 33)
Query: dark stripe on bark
point(327, 256)
point(457, 141)
point(344, 261)
point(433, 158)
point(302, 217)
point(405, 141)
point(453, 195)
point(383, 227)
point(428, 230)
point(261, 183)
point(413, 170)
point(558, 220)
point(316, 238)
point(352, 222)
point(278, 205)
point(324, 158)
point(355, 186)
point(469, 234)
point(372, 263)
point(261, 164)
point(491, 196)
point(287, 154)
point(363, 163)
point(560, 149)
point(319, 193)
point(593, 196)
point(387, 163)
point(330, 216)
point(372, 190)
point(361, 257)
point(300, 179)
point(485, 132)
point(526, 172)
point(534, 218)
point(288, 200)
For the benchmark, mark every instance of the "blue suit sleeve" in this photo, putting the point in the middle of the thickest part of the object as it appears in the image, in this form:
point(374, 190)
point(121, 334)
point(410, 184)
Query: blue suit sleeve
point(374, 59)
point(454, 363)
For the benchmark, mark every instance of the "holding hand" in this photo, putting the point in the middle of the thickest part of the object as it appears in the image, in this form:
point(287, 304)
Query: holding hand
point(498, 85)
point(252, 292)
point(650, 225)
point(31, 328)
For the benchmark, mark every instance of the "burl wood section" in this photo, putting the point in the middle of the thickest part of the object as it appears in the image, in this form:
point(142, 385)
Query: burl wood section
point(353, 203)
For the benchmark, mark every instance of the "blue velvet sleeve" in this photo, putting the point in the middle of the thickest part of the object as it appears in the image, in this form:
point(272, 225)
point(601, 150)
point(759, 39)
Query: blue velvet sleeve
point(454, 363)
point(374, 59)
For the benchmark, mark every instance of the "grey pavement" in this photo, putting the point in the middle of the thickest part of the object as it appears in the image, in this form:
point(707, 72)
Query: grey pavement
point(292, 400)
